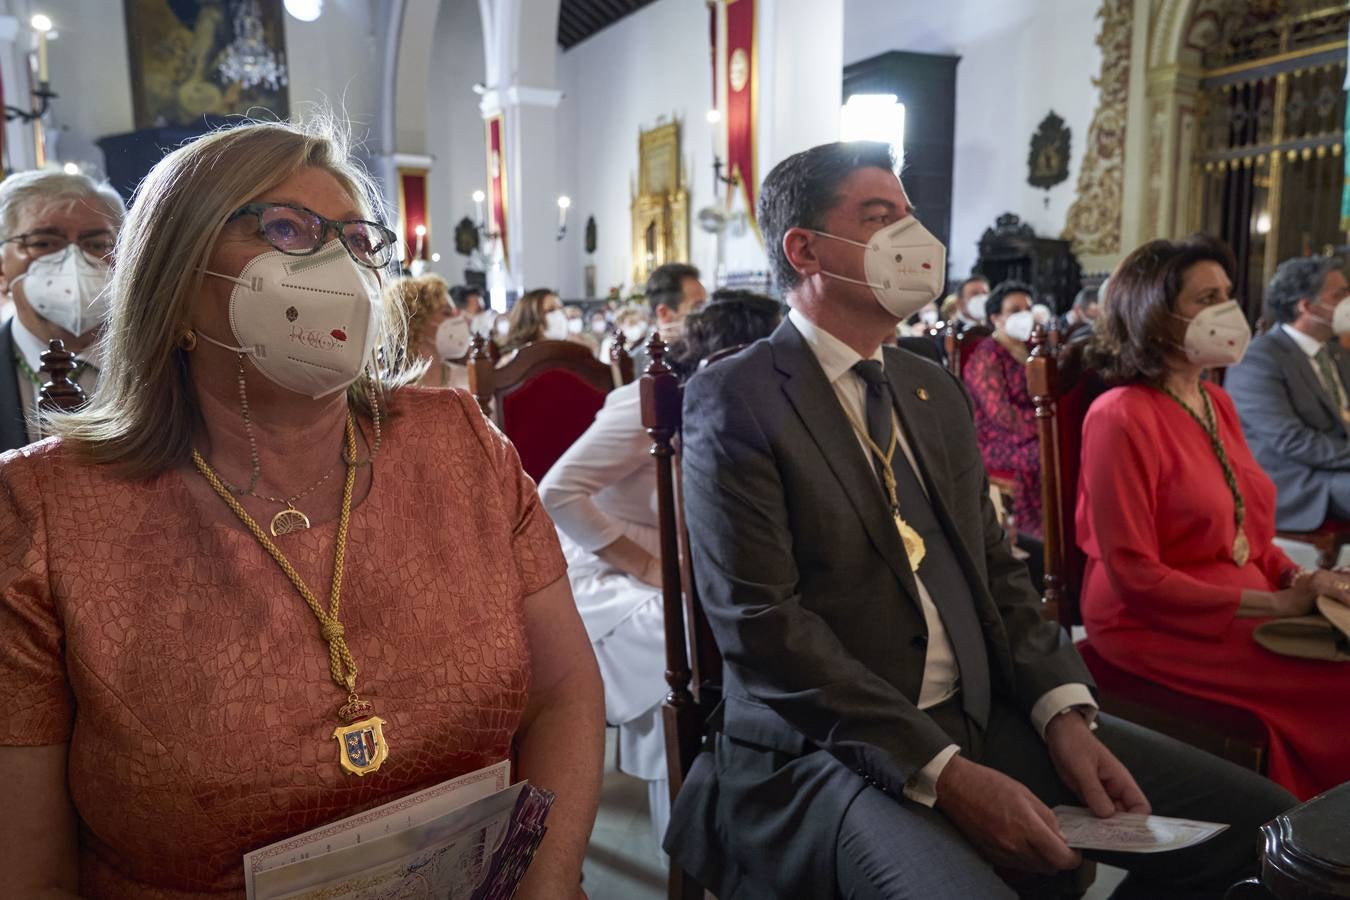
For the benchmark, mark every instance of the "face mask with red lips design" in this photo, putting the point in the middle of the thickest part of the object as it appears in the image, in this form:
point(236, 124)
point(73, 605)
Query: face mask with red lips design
point(308, 322)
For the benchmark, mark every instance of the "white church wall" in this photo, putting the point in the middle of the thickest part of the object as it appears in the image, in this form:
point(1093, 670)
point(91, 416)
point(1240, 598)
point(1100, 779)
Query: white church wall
point(455, 134)
point(653, 63)
point(656, 62)
point(1020, 59)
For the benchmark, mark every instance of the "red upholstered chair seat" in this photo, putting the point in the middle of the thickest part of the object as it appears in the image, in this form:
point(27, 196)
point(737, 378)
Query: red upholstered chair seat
point(545, 394)
point(544, 415)
point(1230, 732)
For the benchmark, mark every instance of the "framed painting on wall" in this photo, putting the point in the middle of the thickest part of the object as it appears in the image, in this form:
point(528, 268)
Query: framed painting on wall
point(195, 58)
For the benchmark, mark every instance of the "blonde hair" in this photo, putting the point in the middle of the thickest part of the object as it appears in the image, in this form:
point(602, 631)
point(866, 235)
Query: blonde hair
point(527, 319)
point(418, 299)
point(141, 419)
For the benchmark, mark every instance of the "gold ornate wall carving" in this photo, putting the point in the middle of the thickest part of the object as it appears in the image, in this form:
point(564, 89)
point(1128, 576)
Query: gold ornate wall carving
point(660, 203)
point(1093, 221)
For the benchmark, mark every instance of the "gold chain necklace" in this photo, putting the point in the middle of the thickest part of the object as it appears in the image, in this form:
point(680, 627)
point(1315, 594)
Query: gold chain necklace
point(913, 541)
point(361, 744)
point(1242, 549)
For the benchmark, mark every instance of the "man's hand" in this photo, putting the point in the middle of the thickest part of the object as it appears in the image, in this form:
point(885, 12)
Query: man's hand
point(1003, 819)
point(1090, 770)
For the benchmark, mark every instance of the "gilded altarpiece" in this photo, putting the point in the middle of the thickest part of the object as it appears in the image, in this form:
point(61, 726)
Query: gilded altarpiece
point(1267, 171)
point(660, 203)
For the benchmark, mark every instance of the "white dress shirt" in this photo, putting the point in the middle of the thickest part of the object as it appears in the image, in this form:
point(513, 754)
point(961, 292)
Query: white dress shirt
point(30, 348)
point(941, 677)
point(1311, 346)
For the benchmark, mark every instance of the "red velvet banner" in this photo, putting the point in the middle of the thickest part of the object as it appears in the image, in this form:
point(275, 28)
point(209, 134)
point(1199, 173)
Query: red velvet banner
point(497, 197)
point(412, 203)
point(742, 93)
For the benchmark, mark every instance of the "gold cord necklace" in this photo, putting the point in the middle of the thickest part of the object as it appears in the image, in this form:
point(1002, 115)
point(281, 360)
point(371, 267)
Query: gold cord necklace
point(913, 541)
point(1242, 550)
point(361, 745)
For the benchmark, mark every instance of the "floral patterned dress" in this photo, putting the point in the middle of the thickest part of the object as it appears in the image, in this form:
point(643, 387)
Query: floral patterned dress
point(1005, 425)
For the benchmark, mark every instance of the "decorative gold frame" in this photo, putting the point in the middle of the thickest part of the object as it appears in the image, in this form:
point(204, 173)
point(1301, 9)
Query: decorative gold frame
point(660, 205)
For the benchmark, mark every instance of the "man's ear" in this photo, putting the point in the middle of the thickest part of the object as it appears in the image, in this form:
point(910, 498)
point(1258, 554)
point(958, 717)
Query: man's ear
point(799, 248)
point(1302, 307)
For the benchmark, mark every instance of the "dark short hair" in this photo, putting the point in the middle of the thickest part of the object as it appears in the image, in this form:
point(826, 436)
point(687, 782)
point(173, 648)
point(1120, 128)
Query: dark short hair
point(665, 286)
point(1134, 332)
point(461, 293)
point(733, 318)
point(1297, 279)
point(966, 282)
point(993, 306)
point(801, 189)
point(1085, 298)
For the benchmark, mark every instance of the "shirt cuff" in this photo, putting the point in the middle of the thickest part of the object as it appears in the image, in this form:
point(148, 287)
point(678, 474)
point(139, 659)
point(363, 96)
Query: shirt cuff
point(922, 785)
point(1058, 700)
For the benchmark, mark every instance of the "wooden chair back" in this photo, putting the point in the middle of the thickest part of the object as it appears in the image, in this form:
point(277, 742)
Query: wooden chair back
point(1062, 389)
point(544, 396)
point(59, 393)
point(958, 341)
point(693, 661)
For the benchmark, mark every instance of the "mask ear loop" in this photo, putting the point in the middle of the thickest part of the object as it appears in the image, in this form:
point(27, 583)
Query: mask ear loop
point(828, 274)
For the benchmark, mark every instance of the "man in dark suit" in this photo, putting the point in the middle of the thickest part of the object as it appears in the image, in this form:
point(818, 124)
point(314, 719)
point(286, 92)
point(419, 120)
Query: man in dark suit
point(1078, 321)
point(898, 717)
point(1291, 393)
point(56, 240)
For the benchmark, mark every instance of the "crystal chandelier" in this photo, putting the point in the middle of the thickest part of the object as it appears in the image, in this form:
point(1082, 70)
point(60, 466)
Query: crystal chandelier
point(248, 60)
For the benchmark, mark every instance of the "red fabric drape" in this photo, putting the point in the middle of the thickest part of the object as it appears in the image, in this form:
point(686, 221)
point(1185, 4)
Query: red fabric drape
point(742, 93)
point(412, 189)
point(497, 196)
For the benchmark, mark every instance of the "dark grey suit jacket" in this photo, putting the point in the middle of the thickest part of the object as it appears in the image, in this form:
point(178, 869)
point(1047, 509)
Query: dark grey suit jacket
point(816, 611)
point(12, 431)
point(1292, 425)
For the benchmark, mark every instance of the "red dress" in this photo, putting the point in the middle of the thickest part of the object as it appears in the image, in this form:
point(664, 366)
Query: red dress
point(1161, 591)
point(1005, 426)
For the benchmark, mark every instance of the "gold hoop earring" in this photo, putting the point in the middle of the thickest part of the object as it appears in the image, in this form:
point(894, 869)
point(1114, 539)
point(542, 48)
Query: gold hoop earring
point(187, 341)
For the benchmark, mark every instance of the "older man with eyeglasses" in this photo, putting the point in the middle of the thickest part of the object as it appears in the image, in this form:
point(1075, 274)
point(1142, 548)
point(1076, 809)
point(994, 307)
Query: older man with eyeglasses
point(57, 233)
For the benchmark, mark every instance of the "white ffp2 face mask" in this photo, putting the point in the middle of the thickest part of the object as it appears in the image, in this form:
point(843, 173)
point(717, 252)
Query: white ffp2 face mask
point(67, 289)
point(555, 325)
point(1020, 325)
point(453, 338)
point(905, 266)
point(1217, 336)
point(307, 321)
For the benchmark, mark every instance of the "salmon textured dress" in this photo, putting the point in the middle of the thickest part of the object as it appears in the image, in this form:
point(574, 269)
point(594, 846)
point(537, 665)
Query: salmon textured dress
point(1161, 590)
point(190, 680)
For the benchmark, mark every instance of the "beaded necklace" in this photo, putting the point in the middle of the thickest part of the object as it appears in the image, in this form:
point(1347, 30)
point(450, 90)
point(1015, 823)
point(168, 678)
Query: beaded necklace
point(1241, 547)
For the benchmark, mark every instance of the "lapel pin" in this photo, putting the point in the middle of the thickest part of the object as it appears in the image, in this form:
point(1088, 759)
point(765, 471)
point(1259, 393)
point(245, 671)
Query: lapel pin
point(921, 393)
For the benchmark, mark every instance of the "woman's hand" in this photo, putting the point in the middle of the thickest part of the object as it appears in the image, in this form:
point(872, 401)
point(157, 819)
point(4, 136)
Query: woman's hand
point(627, 556)
point(1300, 598)
point(1330, 583)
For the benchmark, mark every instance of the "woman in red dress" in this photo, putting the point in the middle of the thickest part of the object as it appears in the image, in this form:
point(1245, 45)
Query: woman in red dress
point(1005, 417)
point(1177, 519)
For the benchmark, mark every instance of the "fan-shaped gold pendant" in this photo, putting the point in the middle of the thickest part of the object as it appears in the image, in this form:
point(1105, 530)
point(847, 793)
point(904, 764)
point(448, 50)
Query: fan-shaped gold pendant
point(914, 546)
point(289, 521)
point(1242, 550)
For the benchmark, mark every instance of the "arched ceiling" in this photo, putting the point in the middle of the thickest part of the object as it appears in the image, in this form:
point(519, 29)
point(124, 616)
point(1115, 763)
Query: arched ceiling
point(579, 19)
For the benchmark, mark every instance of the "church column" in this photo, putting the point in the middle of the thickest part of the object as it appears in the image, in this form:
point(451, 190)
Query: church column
point(521, 49)
point(528, 157)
